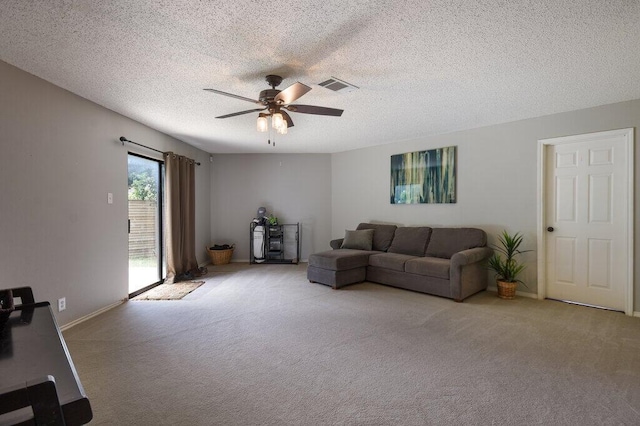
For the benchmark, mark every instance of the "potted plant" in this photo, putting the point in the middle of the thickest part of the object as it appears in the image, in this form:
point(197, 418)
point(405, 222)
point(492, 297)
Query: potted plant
point(505, 265)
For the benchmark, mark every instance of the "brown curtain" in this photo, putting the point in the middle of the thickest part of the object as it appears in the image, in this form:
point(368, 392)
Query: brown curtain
point(180, 218)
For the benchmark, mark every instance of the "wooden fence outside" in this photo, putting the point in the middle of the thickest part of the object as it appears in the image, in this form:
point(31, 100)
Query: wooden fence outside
point(142, 233)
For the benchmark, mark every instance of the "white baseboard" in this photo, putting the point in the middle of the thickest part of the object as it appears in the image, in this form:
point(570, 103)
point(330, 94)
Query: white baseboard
point(535, 296)
point(518, 293)
point(91, 315)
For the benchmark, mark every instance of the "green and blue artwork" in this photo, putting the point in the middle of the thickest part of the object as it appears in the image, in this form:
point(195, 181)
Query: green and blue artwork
point(424, 176)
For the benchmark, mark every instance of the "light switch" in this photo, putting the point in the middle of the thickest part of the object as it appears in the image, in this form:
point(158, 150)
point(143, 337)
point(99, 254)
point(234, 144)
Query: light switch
point(110, 198)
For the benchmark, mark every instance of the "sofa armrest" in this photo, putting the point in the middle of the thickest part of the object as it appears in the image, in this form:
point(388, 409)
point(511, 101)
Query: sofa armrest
point(336, 244)
point(467, 273)
point(467, 257)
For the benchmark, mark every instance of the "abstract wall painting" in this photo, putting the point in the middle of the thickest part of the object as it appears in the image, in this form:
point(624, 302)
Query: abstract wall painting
point(424, 176)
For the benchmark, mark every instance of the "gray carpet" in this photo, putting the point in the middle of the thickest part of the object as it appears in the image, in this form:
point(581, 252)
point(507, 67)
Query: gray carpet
point(260, 345)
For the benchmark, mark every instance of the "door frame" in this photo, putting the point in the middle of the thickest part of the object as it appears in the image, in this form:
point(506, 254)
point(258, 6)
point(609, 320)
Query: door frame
point(160, 230)
point(543, 144)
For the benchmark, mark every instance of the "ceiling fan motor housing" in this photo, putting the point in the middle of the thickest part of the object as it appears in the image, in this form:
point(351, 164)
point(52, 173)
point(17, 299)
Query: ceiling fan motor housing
point(267, 96)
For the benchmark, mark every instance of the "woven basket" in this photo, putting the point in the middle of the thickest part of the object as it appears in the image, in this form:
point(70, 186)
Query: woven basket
point(220, 257)
point(506, 290)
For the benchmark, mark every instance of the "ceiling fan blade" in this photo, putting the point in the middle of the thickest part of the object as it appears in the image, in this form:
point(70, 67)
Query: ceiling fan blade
point(231, 95)
point(312, 109)
point(241, 112)
point(291, 93)
point(287, 117)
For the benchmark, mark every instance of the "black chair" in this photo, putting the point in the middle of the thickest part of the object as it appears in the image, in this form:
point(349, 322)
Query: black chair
point(39, 394)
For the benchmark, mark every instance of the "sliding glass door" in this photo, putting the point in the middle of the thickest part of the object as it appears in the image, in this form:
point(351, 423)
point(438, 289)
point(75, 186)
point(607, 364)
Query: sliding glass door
point(146, 262)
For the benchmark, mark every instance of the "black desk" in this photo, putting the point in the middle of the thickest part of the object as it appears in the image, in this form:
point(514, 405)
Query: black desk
point(32, 348)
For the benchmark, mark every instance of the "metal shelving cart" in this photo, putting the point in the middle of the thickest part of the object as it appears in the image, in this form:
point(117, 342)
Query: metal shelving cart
point(281, 243)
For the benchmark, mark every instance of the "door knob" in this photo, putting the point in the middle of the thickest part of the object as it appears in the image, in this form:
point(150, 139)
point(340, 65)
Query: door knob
point(550, 229)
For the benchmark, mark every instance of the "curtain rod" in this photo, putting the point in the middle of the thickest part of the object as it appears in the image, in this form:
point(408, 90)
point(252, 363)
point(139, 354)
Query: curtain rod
point(123, 140)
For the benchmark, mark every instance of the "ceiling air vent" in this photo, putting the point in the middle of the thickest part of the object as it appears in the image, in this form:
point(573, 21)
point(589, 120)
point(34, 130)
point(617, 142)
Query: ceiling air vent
point(338, 85)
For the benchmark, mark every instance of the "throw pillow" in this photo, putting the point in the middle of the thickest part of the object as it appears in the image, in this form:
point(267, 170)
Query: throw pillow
point(382, 236)
point(358, 240)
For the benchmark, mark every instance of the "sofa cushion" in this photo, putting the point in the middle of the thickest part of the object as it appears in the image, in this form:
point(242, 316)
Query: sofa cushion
point(340, 259)
point(410, 240)
point(358, 240)
point(445, 242)
point(393, 261)
point(382, 236)
point(429, 266)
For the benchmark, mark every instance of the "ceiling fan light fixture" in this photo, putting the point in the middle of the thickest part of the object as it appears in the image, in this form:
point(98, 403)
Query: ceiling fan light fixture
point(283, 128)
point(276, 121)
point(263, 124)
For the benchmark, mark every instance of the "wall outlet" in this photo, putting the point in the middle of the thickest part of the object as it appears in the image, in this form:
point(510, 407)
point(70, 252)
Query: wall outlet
point(110, 198)
point(62, 304)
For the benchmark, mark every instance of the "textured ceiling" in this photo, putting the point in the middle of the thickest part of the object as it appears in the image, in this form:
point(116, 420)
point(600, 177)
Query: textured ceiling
point(422, 67)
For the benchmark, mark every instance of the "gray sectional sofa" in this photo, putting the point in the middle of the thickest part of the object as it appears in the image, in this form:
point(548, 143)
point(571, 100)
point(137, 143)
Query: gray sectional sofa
point(447, 262)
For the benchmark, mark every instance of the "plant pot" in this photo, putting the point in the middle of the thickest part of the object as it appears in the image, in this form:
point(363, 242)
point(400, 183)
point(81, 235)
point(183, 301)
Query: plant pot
point(506, 289)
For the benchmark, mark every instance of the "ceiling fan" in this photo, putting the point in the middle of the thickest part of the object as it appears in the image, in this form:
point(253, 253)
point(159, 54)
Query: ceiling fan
point(275, 102)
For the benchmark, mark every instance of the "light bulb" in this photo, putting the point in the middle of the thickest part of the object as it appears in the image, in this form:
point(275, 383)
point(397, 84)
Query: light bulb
point(283, 128)
point(276, 121)
point(262, 123)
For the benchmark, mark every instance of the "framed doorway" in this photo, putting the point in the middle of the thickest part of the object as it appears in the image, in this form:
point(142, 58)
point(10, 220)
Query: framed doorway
point(145, 223)
point(585, 219)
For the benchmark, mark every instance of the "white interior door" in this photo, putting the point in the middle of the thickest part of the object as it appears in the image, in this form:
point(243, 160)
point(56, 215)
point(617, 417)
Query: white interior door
point(588, 203)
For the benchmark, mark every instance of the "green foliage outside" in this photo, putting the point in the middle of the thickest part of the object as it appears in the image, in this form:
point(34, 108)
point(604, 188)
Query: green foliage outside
point(143, 179)
point(143, 186)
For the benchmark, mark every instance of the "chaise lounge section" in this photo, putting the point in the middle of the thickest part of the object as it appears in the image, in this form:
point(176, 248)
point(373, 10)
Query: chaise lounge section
point(447, 262)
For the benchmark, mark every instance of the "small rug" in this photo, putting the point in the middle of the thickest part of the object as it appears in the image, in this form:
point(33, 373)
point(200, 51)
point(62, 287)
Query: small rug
point(173, 291)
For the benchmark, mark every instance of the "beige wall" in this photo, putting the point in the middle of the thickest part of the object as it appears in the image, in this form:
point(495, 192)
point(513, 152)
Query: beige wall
point(294, 187)
point(60, 157)
point(497, 172)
